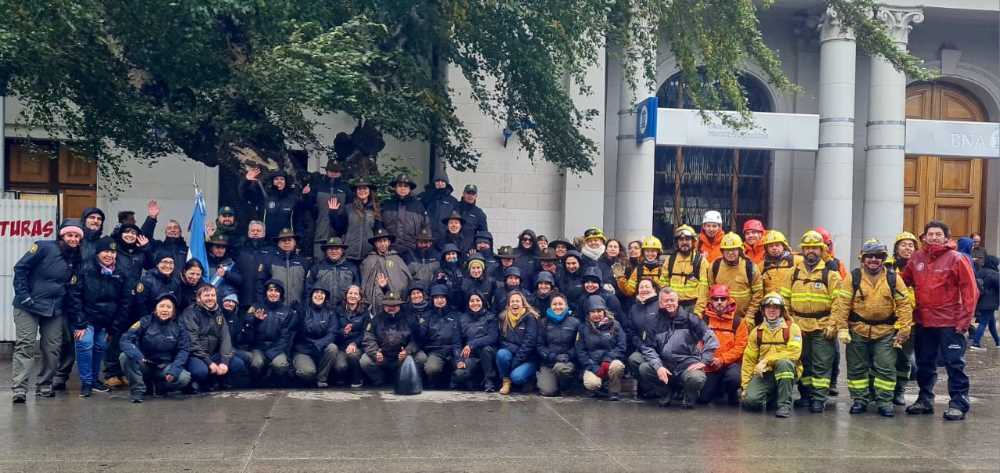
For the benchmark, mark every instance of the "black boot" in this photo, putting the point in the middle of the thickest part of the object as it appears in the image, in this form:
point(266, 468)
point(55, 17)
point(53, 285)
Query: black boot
point(922, 406)
point(859, 407)
point(886, 411)
point(898, 397)
point(817, 407)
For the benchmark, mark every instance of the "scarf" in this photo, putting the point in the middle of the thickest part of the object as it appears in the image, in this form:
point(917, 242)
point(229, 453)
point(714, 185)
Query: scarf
point(773, 324)
point(514, 317)
point(107, 270)
point(594, 255)
point(557, 318)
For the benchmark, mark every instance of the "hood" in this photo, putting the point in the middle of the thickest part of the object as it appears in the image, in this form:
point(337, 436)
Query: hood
point(450, 247)
point(309, 294)
point(534, 242)
point(592, 272)
point(965, 245)
point(448, 189)
point(83, 220)
point(991, 262)
point(279, 285)
point(706, 240)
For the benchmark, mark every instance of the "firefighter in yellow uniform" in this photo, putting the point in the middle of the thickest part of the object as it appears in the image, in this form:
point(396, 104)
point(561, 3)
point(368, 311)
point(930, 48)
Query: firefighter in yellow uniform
point(771, 358)
point(779, 262)
point(879, 318)
point(816, 299)
point(686, 271)
point(739, 274)
point(902, 250)
point(649, 268)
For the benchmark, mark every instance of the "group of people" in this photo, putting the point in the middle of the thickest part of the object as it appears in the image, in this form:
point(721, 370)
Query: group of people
point(719, 318)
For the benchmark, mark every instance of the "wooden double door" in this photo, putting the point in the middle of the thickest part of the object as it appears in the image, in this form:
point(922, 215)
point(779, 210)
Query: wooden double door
point(940, 188)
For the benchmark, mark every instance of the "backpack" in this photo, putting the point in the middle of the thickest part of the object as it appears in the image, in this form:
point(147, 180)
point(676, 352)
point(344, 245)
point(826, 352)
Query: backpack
point(790, 259)
point(890, 278)
point(786, 333)
point(825, 278)
point(749, 269)
point(695, 266)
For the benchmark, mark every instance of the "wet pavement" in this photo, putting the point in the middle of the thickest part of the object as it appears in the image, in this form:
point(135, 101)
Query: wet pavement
point(368, 430)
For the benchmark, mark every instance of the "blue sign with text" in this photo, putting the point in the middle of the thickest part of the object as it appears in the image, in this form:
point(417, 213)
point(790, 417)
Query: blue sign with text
point(645, 120)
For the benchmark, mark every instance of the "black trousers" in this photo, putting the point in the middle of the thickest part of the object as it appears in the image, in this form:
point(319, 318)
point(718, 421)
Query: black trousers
point(929, 342)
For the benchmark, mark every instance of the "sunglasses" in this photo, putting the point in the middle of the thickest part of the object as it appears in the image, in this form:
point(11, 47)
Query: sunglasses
point(526, 239)
point(720, 299)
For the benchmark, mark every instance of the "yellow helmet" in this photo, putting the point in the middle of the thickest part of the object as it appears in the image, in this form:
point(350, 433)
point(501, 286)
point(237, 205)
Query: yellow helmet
point(812, 239)
point(774, 236)
point(684, 230)
point(652, 243)
point(731, 241)
point(906, 236)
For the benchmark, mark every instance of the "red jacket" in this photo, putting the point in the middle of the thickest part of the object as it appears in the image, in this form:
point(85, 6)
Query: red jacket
point(732, 340)
point(945, 287)
point(709, 247)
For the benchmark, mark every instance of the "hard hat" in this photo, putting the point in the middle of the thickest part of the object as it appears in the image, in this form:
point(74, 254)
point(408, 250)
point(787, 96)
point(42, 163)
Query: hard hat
point(753, 224)
point(774, 236)
point(812, 238)
point(823, 232)
point(712, 216)
point(773, 298)
point(873, 247)
point(684, 231)
point(731, 241)
point(718, 290)
point(652, 243)
point(906, 236)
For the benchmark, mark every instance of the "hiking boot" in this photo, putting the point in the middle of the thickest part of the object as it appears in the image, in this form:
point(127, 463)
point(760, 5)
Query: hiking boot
point(665, 401)
point(505, 386)
point(58, 385)
point(685, 404)
point(954, 413)
point(614, 397)
point(783, 412)
point(817, 407)
point(86, 390)
point(136, 397)
point(115, 382)
point(886, 411)
point(801, 402)
point(45, 392)
point(921, 406)
point(19, 397)
point(322, 385)
point(859, 407)
point(489, 387)
point(100, 387)
point(898, 397)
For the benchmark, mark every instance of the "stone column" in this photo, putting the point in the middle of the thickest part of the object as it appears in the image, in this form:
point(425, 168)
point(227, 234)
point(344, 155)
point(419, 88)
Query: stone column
point(583, 194)
point(834, 181)
point(883, 214)
point(634, 183)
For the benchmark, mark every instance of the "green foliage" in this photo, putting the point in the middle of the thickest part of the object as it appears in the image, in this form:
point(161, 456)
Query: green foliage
point(128, 79)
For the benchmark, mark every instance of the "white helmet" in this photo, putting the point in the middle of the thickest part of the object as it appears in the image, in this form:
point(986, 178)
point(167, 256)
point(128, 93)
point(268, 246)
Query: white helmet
point(712, 216)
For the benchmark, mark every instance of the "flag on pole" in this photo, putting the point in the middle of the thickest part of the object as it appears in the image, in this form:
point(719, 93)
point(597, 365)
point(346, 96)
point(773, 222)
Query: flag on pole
point(196, 228)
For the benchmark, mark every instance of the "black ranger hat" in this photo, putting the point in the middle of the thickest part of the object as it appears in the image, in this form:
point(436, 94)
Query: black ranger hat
point(286, 233)
point(392, 299)
point(361, 181)
point(382, 233)
point(454, 216)
point(548, 254)
point(334, 166)
point(404, 179)
point(227, 210)
point(506, 252)
point(217, 239)
point(425, 235)
point(333, 242)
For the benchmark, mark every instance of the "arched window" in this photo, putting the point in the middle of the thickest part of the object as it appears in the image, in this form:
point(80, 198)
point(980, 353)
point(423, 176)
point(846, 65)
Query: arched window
point(691, 181)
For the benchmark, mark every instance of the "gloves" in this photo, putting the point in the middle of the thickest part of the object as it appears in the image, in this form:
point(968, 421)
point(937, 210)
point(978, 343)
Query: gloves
point(618, 270)
point(602, 371)
point(562, 358)
point(761, 368)
point(901, 338)
point(829, 332)
point(844, 336)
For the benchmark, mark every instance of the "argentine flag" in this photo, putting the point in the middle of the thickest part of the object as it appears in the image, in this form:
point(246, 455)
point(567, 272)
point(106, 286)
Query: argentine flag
point(196, 228)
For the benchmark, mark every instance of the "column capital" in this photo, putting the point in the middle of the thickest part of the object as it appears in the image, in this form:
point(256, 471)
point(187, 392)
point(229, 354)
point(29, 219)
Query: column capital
point(899, 21)
point(831, 28)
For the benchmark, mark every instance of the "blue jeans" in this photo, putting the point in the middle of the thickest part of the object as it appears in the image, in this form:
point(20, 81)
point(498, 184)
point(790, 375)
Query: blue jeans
point(986, 319)
point(89, 354)
point(199, 369)
point(519, 374)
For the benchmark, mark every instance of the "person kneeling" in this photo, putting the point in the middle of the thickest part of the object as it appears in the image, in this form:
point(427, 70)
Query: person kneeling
point(315, 344)
point(601, 348)
point(557, 334)
point(212, 358)
point(155, 348)
point(386, 339)
point(771, 360)
point(440, 338)
point(271, 331)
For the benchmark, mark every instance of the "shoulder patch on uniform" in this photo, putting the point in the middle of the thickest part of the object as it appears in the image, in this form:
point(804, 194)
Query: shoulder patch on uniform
point(72, 279)
point(368, 327)
point(34, 248)
point(220, 320)
point(136, 325)
point(139, 288)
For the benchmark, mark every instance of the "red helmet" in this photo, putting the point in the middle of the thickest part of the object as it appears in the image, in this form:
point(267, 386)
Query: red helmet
point(718, 290)
point(753, 224)
point(825, 234)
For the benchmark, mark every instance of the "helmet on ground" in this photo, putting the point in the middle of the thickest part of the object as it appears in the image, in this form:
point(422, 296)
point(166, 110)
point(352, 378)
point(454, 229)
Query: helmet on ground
point(753, 224)
point(712, 216)
point(652, 243)
point(874, 247)
point(684, 231)
point(731, 241)
point(812, 239)
point(773, 298)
